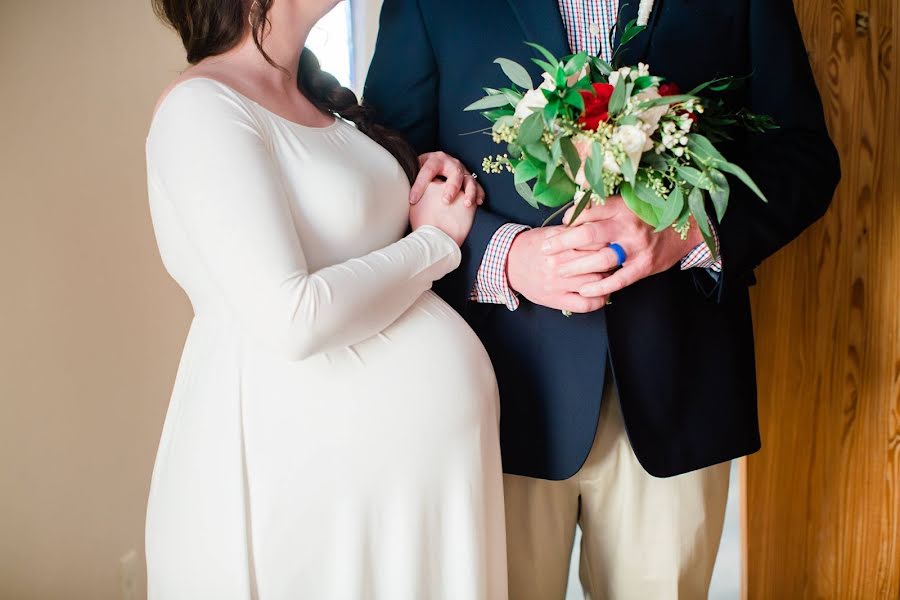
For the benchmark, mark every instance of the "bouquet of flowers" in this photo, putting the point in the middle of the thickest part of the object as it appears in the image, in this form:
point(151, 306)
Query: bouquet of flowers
point(590, 131)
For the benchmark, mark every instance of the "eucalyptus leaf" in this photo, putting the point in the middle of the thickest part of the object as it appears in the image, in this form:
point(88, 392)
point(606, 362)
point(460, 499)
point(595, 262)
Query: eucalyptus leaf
point(647, 194)
point(742, 175)
point(526, 193)
point(678, 99)
point(579, 208)
point(570, 154)
point(674, 208)
point(628, 171)
point(640, 208)
point(693, 176)
point(516, 73)
point(488, 102)
point(697, 204)
point(531, 130)
point(525, 171)
point(576, 63)
point(503, 121)
point(703, 148)
point(720, 192)
point(601, 66)
point(593, 169)
point(618, 98)
point(538, 151)
point(557, 192)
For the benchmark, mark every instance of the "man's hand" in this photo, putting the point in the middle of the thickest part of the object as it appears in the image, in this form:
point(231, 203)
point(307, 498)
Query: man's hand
point(434, 165)
point(536, 275)
point(648, 253)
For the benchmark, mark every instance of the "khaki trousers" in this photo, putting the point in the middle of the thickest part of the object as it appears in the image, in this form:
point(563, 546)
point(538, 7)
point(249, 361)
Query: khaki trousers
point(643, 538)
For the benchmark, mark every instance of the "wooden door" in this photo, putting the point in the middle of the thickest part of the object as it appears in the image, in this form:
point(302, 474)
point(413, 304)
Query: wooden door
point(822, 499)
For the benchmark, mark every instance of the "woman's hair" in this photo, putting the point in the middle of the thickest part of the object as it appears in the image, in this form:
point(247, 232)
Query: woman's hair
point(212, 27)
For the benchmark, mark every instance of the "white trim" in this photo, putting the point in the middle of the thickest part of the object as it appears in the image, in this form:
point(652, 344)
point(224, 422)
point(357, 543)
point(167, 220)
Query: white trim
point(644, 10)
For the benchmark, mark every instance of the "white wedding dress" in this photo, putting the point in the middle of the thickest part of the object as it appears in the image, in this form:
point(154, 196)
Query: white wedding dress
point(333, 432)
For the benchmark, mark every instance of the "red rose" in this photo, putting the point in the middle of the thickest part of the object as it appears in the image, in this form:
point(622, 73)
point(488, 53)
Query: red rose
point(672, 89)
point(669, 89)
point(596, 106)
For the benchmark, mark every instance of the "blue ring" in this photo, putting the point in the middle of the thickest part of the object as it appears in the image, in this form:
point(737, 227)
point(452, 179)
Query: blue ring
point(620, 253)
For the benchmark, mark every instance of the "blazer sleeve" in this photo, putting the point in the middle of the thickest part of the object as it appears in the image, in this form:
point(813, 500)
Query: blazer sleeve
point(211, 161)
point(403, 87)
point(797, 165)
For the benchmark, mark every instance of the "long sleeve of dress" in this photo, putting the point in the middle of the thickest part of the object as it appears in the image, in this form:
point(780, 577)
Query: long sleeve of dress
point(209, 157)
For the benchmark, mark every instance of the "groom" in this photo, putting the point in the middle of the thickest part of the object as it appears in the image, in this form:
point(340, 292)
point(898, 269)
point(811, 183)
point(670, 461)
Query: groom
point(670, 359)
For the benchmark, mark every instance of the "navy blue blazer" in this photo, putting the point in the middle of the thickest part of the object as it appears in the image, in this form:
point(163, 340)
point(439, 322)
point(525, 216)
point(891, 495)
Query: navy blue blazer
point(680, 344)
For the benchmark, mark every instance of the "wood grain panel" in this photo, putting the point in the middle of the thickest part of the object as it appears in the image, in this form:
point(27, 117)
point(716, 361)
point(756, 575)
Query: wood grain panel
point(822, 499)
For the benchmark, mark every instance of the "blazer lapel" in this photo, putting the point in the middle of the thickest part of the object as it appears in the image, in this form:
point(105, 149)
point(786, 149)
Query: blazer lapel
point(637, 47)
point(542, 23)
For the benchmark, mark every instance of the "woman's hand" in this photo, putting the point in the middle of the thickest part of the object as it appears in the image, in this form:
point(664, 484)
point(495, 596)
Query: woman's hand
point(455, 219)
point(460, 184)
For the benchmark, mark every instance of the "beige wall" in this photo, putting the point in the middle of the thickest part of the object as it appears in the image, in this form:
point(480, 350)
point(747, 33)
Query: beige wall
point(90, 325)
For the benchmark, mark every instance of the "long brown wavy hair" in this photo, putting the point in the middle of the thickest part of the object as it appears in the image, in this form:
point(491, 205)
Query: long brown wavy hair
point(212, 27)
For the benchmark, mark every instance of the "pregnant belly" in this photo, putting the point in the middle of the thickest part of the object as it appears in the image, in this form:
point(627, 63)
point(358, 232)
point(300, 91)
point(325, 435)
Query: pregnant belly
point(424, 383)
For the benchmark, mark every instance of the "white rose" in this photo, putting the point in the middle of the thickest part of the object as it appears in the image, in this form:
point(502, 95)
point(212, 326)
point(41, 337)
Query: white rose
point(614, 76)
point(633, 141)
point(534, 100)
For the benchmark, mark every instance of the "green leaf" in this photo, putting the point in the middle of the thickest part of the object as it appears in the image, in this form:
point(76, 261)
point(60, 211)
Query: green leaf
point(654, 161)
point(531, 130)
point(546, 53)
point(601, 66)
point(570, 154)
point(527, 194)
point(742, 175)
point(627, 170)
point(642, 83)
point(593, 169)
point(697, 205)
point(561, 77)
point(502, 121)
point(558, 191)
point(498, 114)
point(579, 208)
point(618, 98)
point(693, 176)
point(551, 111)
point(703, 148)
point(674, 208)
point(576, 63)
point(550, 170)
point(488, 102)
point(516, 73)
point(538, 151)
point(573, 98)
point(647, 104)
point(632, 30)
point(544, 65)
point(647, 194)
point(643, 210)
point(719, 193)
point(526, 171)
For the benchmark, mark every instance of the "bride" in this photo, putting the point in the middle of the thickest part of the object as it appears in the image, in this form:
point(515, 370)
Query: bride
point(332, 433)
